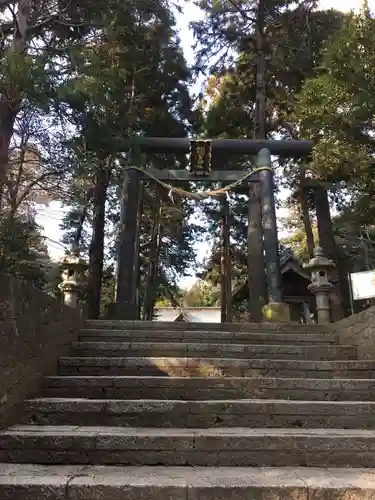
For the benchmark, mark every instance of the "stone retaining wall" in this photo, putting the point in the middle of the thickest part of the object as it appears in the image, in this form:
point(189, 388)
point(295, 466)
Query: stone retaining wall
point(358, 330)
point(35, 330)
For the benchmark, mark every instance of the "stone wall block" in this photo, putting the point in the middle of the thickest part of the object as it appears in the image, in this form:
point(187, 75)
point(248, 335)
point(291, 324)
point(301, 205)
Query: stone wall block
point(35, 330)
point(358, 330)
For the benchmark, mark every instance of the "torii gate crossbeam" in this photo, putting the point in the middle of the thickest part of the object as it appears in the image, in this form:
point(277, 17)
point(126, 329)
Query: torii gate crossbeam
point(286, 148)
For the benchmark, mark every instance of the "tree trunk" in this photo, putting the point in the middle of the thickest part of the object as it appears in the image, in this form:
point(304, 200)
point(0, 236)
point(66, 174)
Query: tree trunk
point(307, 221)
point(260, 97)
point(82, 219)
point(7, 118)
point(256, 269)
point(96, 251)
point(327, 242)
point(304, 204)
point(10, 104)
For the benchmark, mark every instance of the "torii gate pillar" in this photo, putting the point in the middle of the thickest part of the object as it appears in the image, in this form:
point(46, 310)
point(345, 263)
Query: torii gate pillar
point(275, 310)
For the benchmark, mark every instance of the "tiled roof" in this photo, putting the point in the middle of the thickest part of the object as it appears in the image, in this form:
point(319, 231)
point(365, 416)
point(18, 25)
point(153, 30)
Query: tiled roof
point(191, 314)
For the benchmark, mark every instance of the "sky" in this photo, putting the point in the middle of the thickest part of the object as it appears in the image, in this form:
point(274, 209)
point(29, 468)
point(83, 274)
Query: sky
point(50, 217)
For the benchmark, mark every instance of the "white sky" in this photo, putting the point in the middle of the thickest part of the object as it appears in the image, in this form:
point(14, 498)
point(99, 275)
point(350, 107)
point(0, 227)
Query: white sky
point(50, 217)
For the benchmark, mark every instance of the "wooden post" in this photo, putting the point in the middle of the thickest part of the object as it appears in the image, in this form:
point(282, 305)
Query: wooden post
point(226, 274)
point(223, 259)
point(228, 267)
point(153, 258)
point(125, 306)
point(156, 264)
point(137, 257)
point(255, 262)
point(271, 243)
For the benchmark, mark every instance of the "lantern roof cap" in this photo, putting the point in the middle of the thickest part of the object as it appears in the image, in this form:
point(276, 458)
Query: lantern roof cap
point(72, 258)
point(319, 261)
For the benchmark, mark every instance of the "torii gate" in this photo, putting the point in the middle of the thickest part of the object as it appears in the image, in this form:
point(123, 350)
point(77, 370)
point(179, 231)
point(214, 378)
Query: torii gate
point(125, 306)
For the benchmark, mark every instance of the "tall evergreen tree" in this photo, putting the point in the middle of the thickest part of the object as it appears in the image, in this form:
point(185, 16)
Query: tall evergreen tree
point(132, 81)
point(271, 54)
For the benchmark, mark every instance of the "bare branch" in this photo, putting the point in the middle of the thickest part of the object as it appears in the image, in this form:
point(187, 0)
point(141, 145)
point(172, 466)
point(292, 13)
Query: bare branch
point(244, 14)
point(37, 182)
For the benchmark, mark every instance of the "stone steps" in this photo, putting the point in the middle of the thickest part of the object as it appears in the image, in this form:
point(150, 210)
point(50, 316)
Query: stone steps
point(197, 412)
point(192, 350)
point(183, 483)
point(223, 447)
point(213, 388)
point(198, 336)
point(262, 413)
point(216, 367)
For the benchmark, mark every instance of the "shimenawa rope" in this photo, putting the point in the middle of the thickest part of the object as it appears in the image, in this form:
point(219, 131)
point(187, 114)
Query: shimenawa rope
point(202, 195)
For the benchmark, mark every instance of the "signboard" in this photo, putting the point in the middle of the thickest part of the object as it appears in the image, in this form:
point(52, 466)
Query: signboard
point(200, 156)
point(363, 285)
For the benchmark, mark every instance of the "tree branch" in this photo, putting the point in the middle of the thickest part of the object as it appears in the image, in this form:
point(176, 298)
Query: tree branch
point(242, 12)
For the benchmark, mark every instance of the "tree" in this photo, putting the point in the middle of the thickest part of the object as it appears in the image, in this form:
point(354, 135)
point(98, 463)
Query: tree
point(293, 53)
point(336, 108)
point(35, 37)
point(23, 252)
point(33, 177)
point(131, 81)
point(201, 294)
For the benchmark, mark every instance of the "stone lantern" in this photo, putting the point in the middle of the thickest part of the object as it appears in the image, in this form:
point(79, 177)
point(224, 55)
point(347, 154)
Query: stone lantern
point(73, 277)
point(320, 286)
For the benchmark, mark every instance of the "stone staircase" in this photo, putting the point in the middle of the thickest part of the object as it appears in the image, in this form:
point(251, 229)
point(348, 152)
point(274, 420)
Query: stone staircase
point(171, 412)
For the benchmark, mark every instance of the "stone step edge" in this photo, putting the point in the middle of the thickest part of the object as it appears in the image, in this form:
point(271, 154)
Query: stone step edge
point(197, 333)
point(180, 483)
point(178, 402)
point(116, 344)
point(208, 383)
point(83, 431)
point(358, 364)
point(206, 409)
point(277, 408)
point(171, 379)
point(134, 324)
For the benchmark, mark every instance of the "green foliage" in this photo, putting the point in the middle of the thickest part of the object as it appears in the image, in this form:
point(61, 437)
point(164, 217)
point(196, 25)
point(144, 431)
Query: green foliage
point(293, 55)
point(356, 249)
point(162, 302)
point(108, 289)
point(297, 242)
point(132, 80)
point(336, 108)
point(99, 74)
point(22, 250)
point(201, 294)
point(227, 27)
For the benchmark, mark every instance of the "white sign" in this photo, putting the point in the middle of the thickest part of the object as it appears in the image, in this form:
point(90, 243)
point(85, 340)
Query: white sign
point(363, 285)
